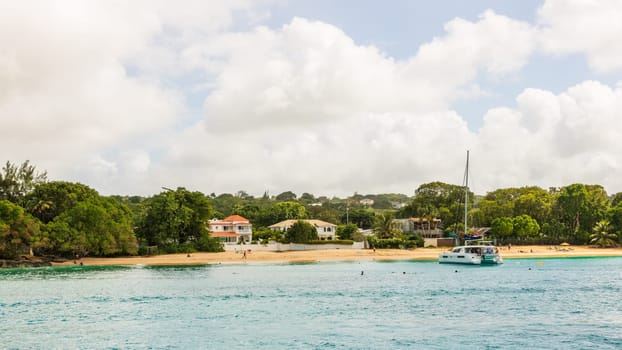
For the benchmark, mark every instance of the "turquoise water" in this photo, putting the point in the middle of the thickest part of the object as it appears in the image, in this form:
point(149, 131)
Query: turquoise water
point(523, 304)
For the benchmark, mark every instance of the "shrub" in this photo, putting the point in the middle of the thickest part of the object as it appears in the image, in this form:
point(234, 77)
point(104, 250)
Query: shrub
point(390, 243)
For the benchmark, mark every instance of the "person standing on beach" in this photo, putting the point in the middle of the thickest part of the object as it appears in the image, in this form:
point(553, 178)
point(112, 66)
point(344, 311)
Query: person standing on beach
point(244, 255)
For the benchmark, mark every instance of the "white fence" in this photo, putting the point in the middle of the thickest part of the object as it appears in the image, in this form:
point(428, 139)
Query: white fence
point(283, 247)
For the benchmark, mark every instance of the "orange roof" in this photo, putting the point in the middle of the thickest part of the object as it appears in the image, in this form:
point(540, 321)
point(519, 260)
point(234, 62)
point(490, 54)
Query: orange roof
point(235, 218)
point(224, 234)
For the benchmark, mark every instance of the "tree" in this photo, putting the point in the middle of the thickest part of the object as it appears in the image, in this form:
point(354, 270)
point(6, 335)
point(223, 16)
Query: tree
point(301, 232)
point(285, 211)
point(438, 198)
point(579, 207)
point(385, 227)
point(324, 213)
point(535, 202)
point(363, 218)
point(601, 235)
point(98, 227)
point(17, 230)
point(175, 217)
point(287, 196)
point(307, 197)
point(347, 231)
point(17, 181)
point(50, 199)
point(502, 227)
point(225, 203)
point(614, 216)
point(525, 226)
point(243, 195)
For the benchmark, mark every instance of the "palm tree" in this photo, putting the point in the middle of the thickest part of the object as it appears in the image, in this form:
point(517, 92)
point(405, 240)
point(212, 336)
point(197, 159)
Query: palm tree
point(601, 236)
point(384, 227)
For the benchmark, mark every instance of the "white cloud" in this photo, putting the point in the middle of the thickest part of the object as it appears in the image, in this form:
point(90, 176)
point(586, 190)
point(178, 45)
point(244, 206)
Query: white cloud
point(495, 44)
point(555, 140)
point(97, 92)
point(69, 102)
point(589, 27)
point(312, 72)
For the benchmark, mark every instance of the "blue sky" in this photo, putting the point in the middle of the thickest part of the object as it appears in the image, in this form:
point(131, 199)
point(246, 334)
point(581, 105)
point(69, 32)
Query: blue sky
point(326, 97)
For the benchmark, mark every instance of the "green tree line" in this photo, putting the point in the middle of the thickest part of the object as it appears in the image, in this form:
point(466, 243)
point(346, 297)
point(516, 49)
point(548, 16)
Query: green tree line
point(64, 218)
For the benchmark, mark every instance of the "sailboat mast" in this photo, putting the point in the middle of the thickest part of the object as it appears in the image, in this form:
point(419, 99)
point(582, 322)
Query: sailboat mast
point(466, 195)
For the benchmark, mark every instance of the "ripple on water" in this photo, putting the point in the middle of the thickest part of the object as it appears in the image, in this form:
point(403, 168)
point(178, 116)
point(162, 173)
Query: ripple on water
point(397, 305)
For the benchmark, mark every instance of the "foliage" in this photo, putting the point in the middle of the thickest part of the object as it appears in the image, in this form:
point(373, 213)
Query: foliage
point(285, 211)
point(525, 226)
point(50, 199)
point(363, 218)
point(601, 236)
point(385, 227)
point(17, 230)
point(347, 231)
point(437, 199)
point(77, 220)
point(225, 204)
point(307, 197)
point(287, 196)
point(207, 243)
point(579, 207)
point(416, 238)
point(390, 243)
point(175, 217)
point(18, 181)
point(301, 232)
point(325, 213)
point(502, 227)
point(64, 217)
point(97, 226)
point(263, 233)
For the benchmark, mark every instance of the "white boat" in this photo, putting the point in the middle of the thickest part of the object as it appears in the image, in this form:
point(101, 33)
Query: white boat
point(475, 251)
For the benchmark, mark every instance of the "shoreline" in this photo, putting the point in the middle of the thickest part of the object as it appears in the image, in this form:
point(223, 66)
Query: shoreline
point(311, 256)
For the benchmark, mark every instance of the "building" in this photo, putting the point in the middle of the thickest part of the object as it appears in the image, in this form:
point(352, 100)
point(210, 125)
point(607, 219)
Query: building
point(232, 229)
point(367, 202)
point(426, 228)
point(430, 230)
point(325, 230)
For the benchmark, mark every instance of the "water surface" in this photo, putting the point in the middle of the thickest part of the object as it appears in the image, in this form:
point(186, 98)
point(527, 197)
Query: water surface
point(523, 304)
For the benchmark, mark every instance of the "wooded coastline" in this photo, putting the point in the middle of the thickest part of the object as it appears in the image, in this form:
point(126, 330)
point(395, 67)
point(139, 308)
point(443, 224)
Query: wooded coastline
point(64, 219)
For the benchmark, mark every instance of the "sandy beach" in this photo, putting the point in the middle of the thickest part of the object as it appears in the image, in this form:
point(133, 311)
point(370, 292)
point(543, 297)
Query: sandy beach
point(339, 255)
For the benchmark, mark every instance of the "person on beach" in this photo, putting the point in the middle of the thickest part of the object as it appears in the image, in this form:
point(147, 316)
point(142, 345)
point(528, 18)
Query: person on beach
point(244, 255)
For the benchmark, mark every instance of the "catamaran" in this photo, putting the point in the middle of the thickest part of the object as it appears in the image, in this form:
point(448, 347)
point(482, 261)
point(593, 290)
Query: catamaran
point(475, 250)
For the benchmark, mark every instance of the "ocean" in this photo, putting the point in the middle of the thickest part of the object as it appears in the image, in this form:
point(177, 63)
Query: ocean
point(572, 303)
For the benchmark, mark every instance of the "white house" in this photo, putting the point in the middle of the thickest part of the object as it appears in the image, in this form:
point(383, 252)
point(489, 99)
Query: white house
point(367, 202)
point(325, 230)
point(232, 229)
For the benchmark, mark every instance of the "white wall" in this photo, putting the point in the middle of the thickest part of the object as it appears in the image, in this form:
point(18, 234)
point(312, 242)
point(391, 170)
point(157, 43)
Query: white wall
point(282, 247)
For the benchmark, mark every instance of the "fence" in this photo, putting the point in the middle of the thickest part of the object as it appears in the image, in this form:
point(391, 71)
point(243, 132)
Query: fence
point(284, 247)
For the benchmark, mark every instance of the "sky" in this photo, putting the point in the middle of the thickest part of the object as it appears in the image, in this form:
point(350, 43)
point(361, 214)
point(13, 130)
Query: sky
point(326, 97)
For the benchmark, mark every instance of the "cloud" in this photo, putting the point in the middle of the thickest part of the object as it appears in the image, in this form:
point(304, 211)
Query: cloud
point(307, 72)
point(72, 97)
point(554, 140)
point(495, 44)
point(99, 92)
point(588, 27)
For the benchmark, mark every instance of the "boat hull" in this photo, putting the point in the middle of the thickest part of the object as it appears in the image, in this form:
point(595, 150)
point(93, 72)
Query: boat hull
point(492, 259)
point(459, 258)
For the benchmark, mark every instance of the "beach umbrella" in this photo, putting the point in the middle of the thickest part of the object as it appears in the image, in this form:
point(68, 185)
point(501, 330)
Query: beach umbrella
point(565, 244)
